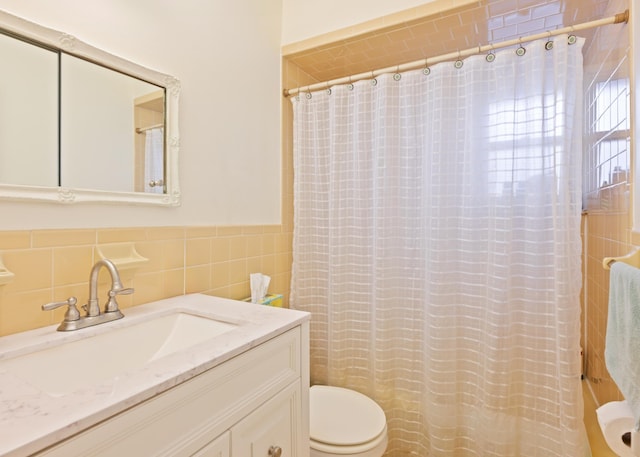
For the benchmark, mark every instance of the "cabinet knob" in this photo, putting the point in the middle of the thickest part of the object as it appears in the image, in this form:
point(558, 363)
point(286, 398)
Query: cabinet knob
point(275, 451)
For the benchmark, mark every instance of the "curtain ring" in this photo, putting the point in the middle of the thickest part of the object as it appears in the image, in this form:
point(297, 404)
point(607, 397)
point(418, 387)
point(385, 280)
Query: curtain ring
point(374, 81)
point(458, 63)
point(572, 38)
point(308, 94)
point(521, 50)
point(350, 86)
point(328, 89)
point(490, 57)
point(397, 76)
point(426, 70)
point(549, 44)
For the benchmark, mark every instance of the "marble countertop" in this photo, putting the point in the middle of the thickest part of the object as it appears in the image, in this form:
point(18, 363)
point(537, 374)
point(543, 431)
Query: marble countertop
point(31, 419)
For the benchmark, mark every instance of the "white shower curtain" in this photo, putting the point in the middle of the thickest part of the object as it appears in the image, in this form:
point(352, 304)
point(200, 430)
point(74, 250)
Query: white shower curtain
point(154, 160)
point(437, 244)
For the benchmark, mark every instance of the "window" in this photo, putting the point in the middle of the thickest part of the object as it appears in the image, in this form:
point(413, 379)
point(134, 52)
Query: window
point(518, 130)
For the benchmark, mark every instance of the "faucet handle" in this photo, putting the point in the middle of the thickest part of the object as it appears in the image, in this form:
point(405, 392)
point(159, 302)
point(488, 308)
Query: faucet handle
point(112, 304)
point(72, 313)
point(127, 291)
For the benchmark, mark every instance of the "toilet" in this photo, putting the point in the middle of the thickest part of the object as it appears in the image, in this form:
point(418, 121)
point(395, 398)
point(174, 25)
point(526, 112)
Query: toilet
point(346, 423)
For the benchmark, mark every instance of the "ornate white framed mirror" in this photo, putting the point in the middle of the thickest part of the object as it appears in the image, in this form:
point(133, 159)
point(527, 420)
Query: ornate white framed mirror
point(78, 124)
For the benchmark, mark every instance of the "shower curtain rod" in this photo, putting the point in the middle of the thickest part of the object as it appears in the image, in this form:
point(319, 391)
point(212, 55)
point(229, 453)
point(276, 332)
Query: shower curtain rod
point(617, 19)
point(144, 129)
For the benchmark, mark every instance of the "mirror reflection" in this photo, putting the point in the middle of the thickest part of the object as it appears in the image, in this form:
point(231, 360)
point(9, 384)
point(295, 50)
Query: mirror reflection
point(28, 114)
point(88, 125)
point(101, 112)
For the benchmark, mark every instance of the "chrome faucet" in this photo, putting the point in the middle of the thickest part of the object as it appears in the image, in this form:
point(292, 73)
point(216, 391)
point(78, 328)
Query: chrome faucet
point(72, 319)
point(92, 308)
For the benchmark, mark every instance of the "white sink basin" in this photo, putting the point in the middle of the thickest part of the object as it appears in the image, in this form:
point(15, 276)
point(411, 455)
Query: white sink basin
point(65, 368)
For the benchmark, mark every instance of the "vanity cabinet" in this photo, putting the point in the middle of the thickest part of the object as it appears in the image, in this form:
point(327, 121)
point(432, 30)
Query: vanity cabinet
point(255, 404)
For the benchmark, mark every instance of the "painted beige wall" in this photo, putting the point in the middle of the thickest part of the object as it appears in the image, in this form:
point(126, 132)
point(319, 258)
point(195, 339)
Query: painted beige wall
point(227, 56)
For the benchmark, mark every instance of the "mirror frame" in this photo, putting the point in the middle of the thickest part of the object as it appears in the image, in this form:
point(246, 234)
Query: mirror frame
point(73, 46)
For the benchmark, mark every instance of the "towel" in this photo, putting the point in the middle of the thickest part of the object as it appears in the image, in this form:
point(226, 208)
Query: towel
point(622, 344)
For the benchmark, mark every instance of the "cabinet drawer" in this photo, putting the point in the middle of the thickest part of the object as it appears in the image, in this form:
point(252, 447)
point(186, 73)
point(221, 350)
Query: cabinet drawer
point(182, 420)
point(273, 425)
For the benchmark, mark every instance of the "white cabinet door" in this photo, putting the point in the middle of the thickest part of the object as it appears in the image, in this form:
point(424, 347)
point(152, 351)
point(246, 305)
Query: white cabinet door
point(217, 448)
point(272, 430)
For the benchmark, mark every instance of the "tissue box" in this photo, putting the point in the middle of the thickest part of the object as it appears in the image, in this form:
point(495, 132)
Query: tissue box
point(270, 300)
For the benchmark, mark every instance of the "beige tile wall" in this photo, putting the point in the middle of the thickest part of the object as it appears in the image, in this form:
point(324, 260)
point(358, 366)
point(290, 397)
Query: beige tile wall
point(435, 28)
point(51, 265)
point(607, 223)
point(606, 235)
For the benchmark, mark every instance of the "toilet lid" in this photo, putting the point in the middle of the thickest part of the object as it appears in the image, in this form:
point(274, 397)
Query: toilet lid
point(343, 417)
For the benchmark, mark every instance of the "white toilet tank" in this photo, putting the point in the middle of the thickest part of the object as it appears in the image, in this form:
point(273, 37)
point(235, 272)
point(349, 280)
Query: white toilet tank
point(345, 422)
